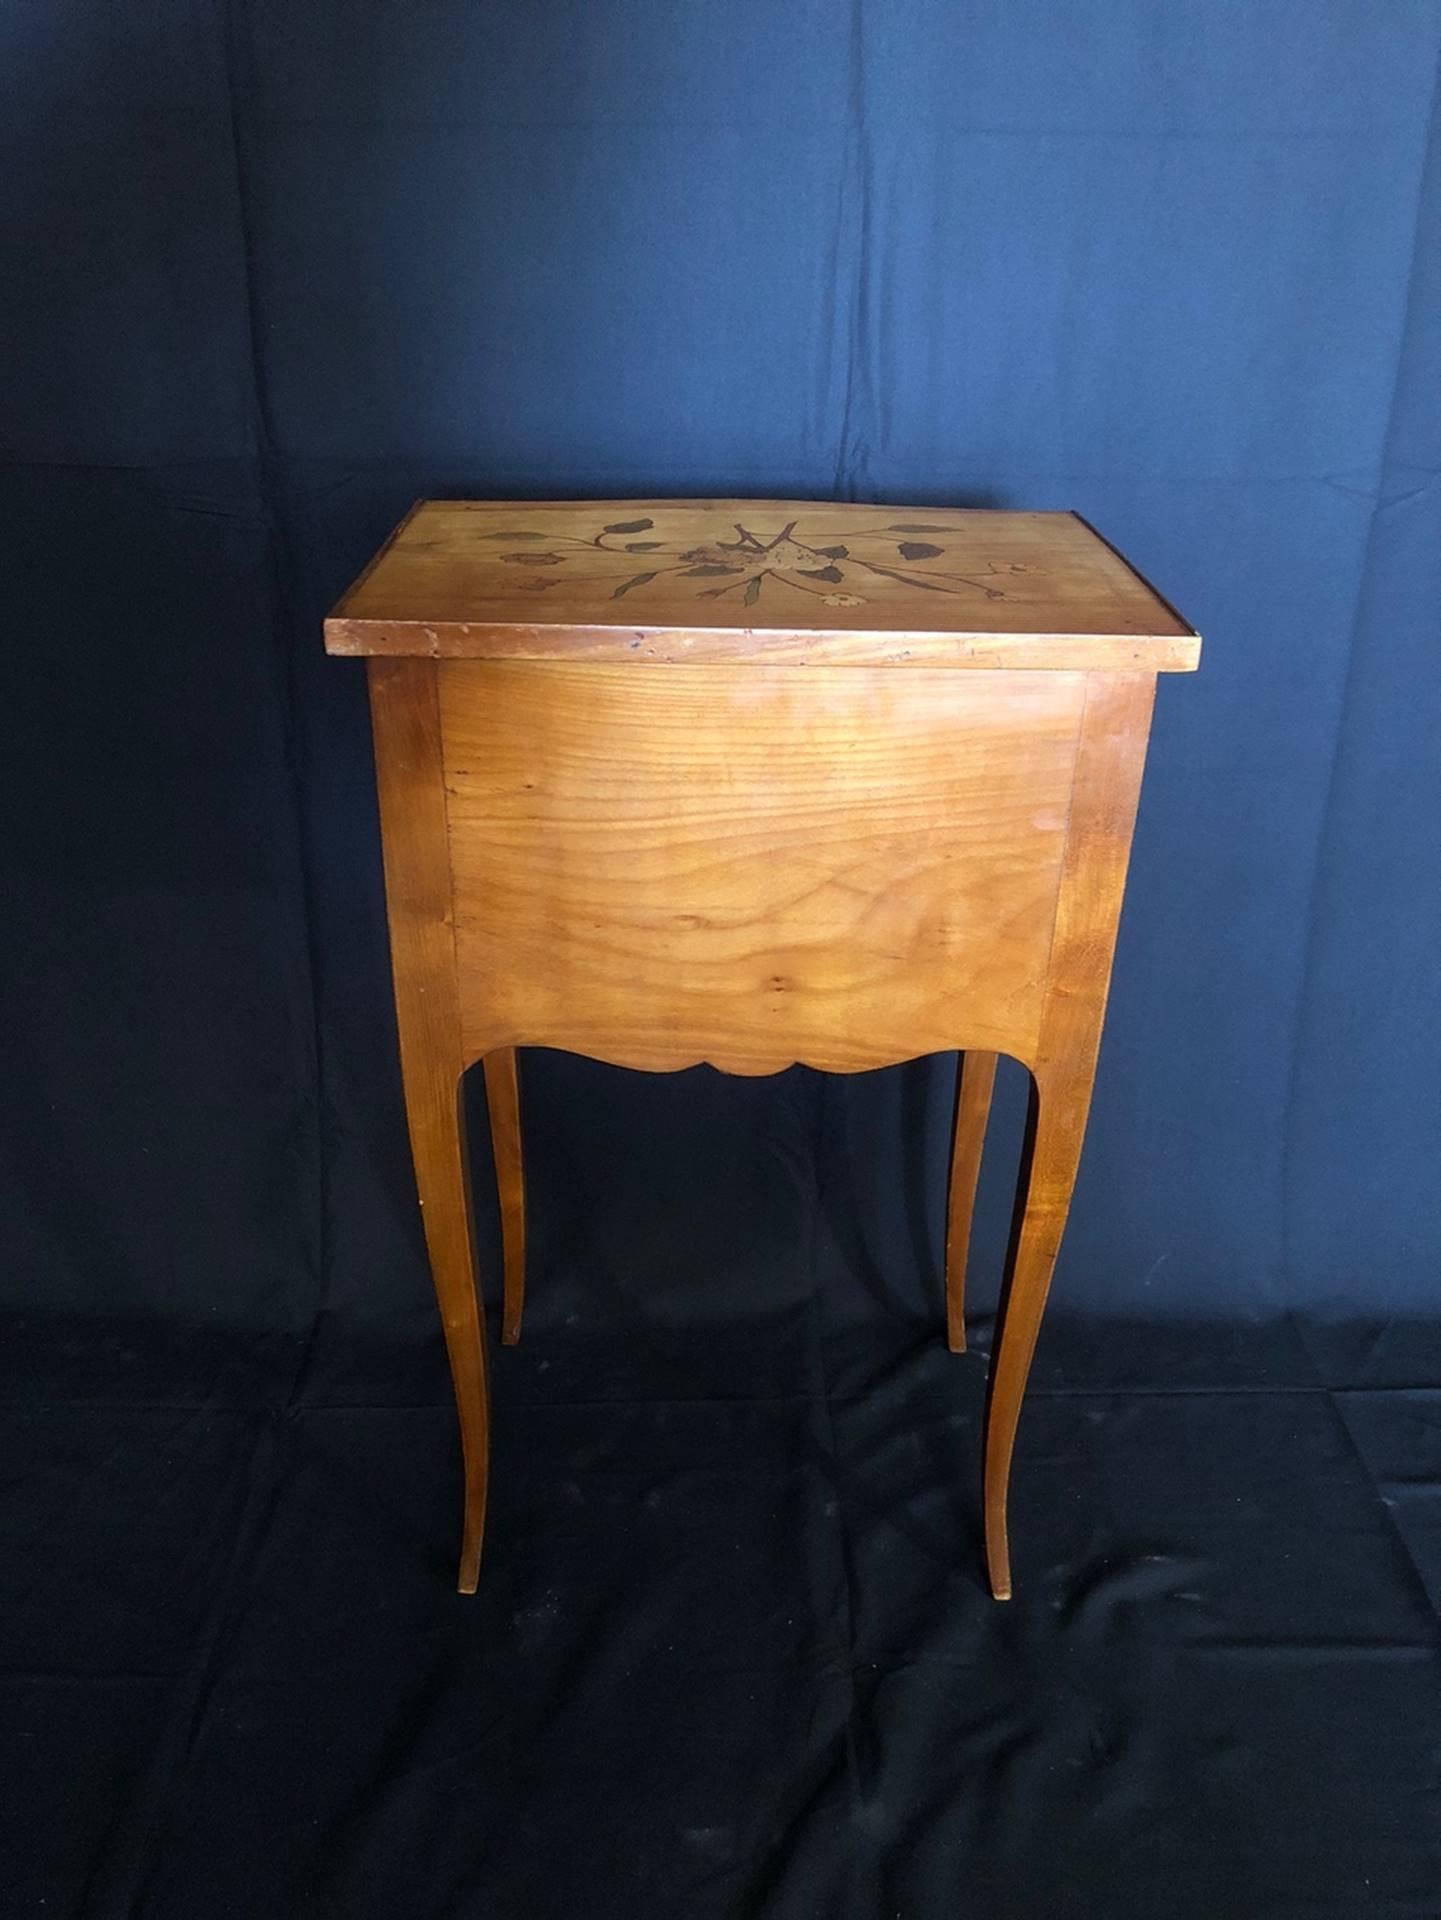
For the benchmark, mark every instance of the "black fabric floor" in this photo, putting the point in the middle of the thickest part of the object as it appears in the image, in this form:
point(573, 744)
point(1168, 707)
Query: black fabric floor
point(732, 1652)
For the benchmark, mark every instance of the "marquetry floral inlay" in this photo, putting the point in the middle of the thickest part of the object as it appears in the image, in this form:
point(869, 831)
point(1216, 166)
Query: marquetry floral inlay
point(833, 572)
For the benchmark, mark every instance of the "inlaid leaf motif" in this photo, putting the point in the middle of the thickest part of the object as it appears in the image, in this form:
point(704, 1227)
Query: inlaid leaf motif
point(513, 536)
point(752, 592)
point(832, 575)
point(533, 559)
point(708, 572)
point(636, 580)
point(835, 553)
point(644, 546)
point(916, 527)
point(629, 526)
point(918, 550)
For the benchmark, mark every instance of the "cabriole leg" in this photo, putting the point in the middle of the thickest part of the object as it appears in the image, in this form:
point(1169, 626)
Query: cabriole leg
point(1055, 1129)
point(502, 1095)
point(405, 715)
point(973, 1110)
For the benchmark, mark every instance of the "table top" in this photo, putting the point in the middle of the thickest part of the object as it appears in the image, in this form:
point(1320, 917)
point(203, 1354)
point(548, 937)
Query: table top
point(730, 581)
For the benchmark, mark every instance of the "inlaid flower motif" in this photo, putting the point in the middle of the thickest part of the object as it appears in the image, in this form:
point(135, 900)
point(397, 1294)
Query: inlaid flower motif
point(829, 573)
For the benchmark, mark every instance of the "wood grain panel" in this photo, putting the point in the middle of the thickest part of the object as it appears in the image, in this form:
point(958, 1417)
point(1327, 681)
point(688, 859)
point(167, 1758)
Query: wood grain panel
point(846, 867)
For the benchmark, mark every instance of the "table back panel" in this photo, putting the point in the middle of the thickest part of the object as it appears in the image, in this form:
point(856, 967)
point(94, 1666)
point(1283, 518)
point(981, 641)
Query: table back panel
point(845, 866)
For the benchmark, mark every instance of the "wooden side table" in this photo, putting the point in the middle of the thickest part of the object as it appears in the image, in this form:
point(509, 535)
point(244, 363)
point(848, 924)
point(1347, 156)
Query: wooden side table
point(754, 782)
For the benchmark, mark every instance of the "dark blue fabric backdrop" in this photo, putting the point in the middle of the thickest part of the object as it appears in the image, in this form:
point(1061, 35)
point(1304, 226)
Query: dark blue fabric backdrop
point(272, 271)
